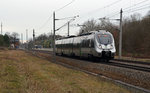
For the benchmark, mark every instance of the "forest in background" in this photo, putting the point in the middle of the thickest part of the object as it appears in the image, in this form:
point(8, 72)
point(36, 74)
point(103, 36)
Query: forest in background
point(136, 33)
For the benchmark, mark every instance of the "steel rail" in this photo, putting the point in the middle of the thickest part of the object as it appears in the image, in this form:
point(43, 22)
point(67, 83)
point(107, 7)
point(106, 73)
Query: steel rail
point(131, 61)
point(140, 68)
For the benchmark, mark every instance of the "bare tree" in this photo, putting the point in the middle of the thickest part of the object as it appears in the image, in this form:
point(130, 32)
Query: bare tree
point(14, 36)
point(92, 25)
point(87, 26)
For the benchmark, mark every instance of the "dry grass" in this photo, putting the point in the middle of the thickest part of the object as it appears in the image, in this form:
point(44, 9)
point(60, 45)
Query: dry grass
point(23, 73)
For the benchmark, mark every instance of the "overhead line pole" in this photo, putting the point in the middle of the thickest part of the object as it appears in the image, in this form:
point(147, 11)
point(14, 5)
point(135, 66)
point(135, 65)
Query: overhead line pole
point(27, 37)
point(68, 27)
point(22, 38)
point(54, 56)
point(1, 28)
point(120, 35)
point(33, 38)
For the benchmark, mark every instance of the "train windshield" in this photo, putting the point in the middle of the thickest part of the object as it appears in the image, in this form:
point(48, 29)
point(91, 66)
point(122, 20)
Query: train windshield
point(104, 39)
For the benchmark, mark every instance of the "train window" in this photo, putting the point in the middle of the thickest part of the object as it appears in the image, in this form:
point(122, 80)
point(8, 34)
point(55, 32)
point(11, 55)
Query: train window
point(104, 38)
point(89, 43)
point(84, 43)
point(92, 43)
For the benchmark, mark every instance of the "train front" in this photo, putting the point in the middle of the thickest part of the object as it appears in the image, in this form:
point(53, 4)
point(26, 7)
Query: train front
point(105, 45)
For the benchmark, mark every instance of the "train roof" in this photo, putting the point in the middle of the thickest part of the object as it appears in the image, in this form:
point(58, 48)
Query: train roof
point(66, 37)
point(95, 32)
point(86, 33)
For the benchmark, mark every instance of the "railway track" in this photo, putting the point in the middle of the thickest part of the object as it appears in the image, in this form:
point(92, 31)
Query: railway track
point(131, 61)
point(130, 66)
point(127, 85)
point(142, 66)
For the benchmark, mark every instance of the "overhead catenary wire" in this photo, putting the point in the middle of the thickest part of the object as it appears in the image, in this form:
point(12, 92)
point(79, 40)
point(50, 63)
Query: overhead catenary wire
point(98, 9)
point(137, 9)
point(52, 15)
point(133, 7)
point(42, 26)
point(136, 4)
point(64, 6)
point(64, 24)
point(109, 5)
point(113, 14)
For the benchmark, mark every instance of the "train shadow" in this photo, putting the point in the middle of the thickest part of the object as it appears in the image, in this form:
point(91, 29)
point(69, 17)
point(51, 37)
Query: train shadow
point(92, 59)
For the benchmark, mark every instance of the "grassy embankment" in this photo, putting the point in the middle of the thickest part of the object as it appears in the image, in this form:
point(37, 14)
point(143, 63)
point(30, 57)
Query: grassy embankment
point(21, 72)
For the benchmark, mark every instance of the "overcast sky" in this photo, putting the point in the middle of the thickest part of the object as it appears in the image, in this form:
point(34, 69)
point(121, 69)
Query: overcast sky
point(19, 15)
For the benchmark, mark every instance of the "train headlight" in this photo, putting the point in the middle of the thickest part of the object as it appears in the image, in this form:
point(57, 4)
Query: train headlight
point(100, 46)
point(111, 46)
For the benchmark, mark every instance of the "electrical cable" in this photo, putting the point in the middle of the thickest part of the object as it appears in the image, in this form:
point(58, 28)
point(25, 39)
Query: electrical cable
point(114, 14)
point(45, 22)
point(65, 24)
point(52, 15)
point(104, 7)
point(128, 8)
point(91, 12)
point(65, 6)
point(138, 7)
point(136, 4)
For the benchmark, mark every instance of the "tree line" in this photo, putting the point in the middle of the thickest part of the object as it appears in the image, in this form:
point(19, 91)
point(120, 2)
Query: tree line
point(7, 39)
point(45, 40)
point(136, 33)
point(4, 40)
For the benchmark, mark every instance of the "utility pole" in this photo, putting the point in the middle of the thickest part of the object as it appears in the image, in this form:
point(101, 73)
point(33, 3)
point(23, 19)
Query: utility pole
point(1, 28)
point(22, 38)
point(27, 37)
point(51, 39)
point(120, 37)
point(33, 38)
point(68, 28)
point(54, 36)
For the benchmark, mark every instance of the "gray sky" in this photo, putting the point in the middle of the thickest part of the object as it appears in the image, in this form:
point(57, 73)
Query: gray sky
point(19, 15)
